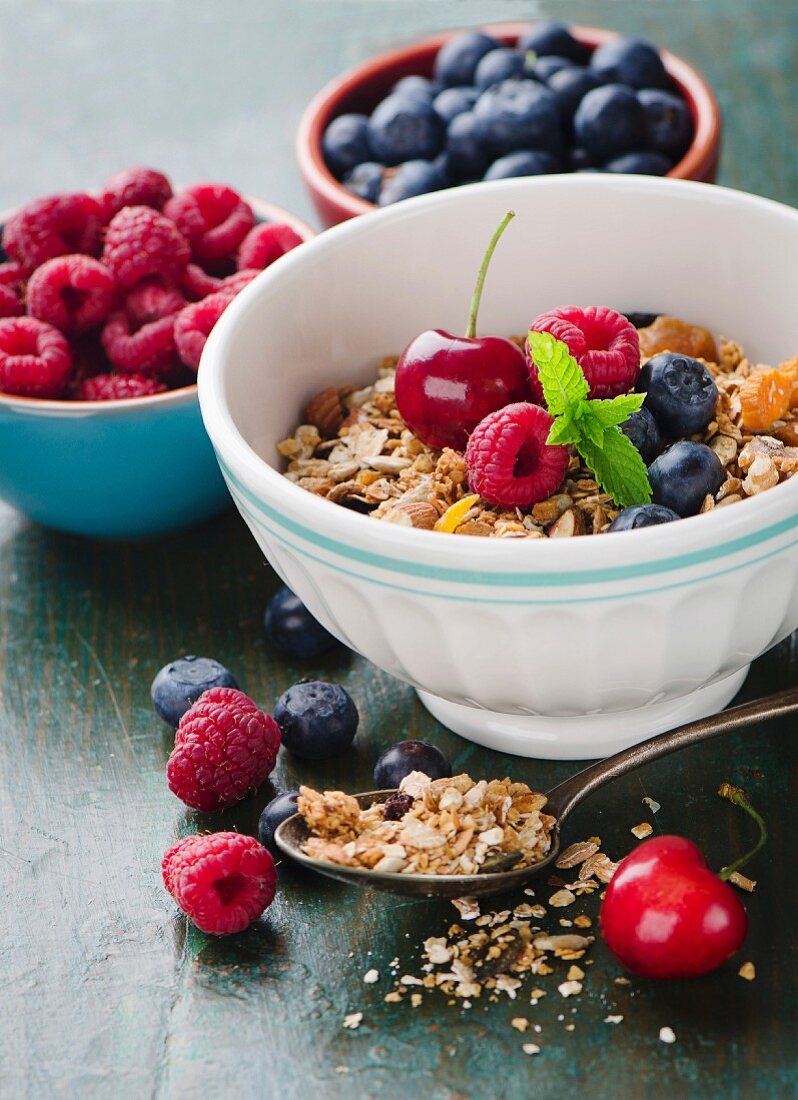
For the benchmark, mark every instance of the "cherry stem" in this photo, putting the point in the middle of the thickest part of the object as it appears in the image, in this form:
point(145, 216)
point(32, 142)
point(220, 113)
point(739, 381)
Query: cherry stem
point(738, 796)
point(471, 331)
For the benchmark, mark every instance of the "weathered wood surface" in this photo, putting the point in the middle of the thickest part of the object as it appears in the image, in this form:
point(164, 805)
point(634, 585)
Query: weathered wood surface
point(104, 990)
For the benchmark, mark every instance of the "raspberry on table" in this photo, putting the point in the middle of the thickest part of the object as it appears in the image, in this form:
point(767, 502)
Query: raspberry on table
point(213, 218)
point(194, 324)
point(225, 746)
point(10, 305)
point(221, 881)
point(35, 358)
point(140, 242)
point(604, 343)
point(199, 284)
point(53, 226)
point(135, 187)
point(151, 299)
point(12, 274)
point(508, 460)
point(116, 387)
point(73, 293)
point(149, 349)
point(266, 243)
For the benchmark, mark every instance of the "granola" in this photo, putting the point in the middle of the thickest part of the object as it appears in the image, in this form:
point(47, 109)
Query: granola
point(355, 450)
point(453, 826)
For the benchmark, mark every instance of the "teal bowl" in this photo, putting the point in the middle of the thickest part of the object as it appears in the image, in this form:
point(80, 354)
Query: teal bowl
point(129, 469)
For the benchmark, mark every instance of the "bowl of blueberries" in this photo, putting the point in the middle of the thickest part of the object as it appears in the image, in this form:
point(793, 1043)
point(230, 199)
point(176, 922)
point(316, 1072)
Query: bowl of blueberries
point(507, 100)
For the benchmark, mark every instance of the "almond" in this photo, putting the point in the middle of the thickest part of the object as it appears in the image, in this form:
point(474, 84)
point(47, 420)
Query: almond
point(419, 513)
point(324, 412)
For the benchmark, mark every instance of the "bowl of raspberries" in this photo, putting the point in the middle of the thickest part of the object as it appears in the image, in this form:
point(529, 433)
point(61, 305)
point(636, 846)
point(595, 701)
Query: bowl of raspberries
point(499, 102)
point(106, 301)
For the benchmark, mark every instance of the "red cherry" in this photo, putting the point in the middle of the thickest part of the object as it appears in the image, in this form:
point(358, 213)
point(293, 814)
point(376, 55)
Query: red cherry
point(667, 915)
point(446, 384)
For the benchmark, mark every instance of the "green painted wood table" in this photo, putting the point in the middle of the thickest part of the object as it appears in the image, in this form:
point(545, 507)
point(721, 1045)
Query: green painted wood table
point(106, 992)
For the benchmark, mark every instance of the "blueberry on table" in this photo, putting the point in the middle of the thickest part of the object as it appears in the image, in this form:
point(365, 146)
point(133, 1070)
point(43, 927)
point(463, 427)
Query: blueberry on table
point(317, 720)
point(519, 114)
point(549, 37)
point(643, 162)
point(669, 127)
point(531, 162)
point(365, 180)
point(418, 86)
point(684, 475)
point(631, 61)
point(404, 128)
point(609, 121)
point(641, 320)
point(346, 143)
point(642, 515)
point(275, 813)
point(414, 177)
point(546, 67)
point(465, 153)
point(580, 160)
point(680, 393)
point(292, 629)
point(641, 428)
point(181, 682)
point(454, 101)
point(406, 757)
point(569, 87)
point(458, 58)
point(501, 64)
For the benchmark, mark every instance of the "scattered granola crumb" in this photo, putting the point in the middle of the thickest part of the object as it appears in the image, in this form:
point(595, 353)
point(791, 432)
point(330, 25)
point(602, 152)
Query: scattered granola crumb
point(520, 1023)
point(415, 999)
point(575, 974)
point(566, 923)
point(560, 898)
point(613, 1019)
point(583, 921)
point(371, 976)
point(742, 881)
point(642, 830)
point(353, 1020)
point(652, 804)
point(468, 908)
point(393, 997)
point(667, 1035)
point(570, 1027)
point(530, 1048)
point(747, 971)
point(569, 988)
point(621, 980)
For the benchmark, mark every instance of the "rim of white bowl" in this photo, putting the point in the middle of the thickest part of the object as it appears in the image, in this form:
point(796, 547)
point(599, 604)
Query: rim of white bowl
point(340, 530)
point(60, 406)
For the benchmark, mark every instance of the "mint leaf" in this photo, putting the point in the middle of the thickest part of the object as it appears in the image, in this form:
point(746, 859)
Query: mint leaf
point(591, 427)
point(560, 375)
point(619, 469)
point(617, 409)
point(564, 430)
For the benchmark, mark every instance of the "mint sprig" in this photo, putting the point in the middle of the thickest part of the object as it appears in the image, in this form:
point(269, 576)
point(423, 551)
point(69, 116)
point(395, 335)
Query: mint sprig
point(591, 426)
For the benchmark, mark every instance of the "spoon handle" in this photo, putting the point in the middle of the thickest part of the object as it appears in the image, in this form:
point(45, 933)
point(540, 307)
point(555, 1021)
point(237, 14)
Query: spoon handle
point(563, 798)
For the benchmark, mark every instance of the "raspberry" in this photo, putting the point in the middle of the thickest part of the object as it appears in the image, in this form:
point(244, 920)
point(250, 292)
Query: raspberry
point(149, 349)
point(194, 324)
point(141, 242)
point(135, 187)
point(116, 387)
point(508, 460)
point(222, 881)
point(198, 283)
point(11, 274)
point(266, 243)
point(224, 747)
point(35, 359)
point(10, 305)
point(603, 342)
point(73, 293)
point(53, 226)
point(213, 217)
point(150, 300)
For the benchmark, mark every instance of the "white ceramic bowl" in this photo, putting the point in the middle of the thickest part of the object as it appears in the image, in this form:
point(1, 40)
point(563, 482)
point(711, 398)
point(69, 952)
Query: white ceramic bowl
point(557, 649)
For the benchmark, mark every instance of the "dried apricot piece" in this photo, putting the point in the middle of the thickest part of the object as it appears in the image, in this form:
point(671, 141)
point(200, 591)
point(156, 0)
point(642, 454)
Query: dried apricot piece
point(789, 369)
point(671, 334)
point(764, 398)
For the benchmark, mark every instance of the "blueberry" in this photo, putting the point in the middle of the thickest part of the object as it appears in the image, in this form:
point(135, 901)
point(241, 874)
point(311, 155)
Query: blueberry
point(346, 143)
point(466, 154)
point(498, 65)
point(641, 428)
point(532, 162)
point(293, 630)
point(580, 160)
point(181, 682)
point(644, 162)
point(403, 128)
point(414, 177)
point(680, 392)
point(548, 38)
point(546, 67)
point(317, 720)
point(641, 320)
point(365, 180)
point(642, 515)
point(669, 127)
point(609, 121)
point(275, 813)
point(631, 61)
point(458, 58)
point(454, 101)
point(406, 757)
point(518, 114)
point(418, 87)
point(683, 475)
point(569, 87)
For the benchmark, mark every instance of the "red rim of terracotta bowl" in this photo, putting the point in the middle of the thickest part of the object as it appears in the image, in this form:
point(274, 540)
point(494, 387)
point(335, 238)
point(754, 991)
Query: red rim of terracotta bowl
point(360, 88)
point(265, 211)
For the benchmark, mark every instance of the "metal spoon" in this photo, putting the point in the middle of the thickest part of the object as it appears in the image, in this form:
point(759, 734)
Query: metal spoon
point(292, 833)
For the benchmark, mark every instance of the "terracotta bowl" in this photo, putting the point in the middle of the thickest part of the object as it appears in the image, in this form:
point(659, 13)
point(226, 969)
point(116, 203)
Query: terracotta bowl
point(361, 88)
